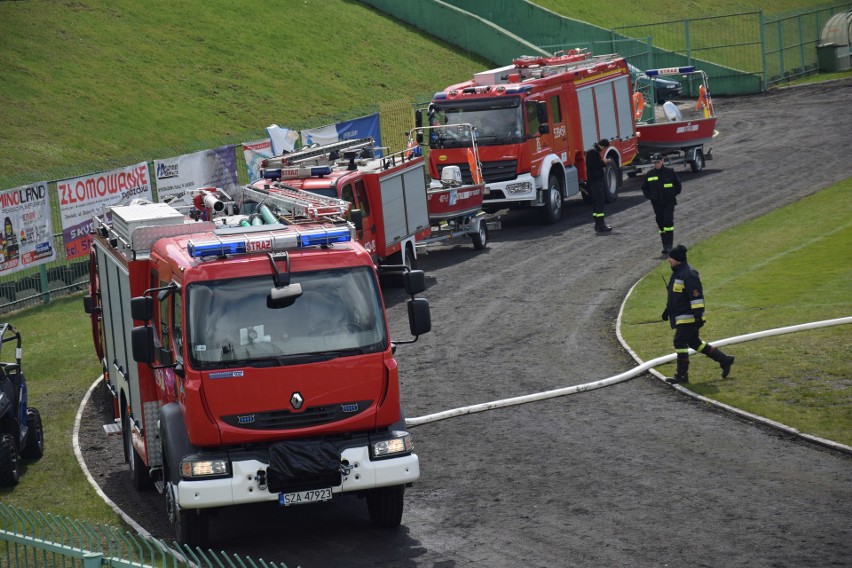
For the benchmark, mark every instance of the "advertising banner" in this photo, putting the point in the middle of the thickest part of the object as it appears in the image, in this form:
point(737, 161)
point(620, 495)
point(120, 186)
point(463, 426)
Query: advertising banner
point(27, 236)
point(254, 153)
point(207, 168)
point(80, 198)
point(366, 126)
point(282, 139)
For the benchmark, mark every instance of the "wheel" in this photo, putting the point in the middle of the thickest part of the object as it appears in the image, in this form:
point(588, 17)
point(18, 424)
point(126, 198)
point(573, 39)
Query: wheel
point(611, 175)
point(385, 506)
point(9, 470)
point(191, 526)
point(480, 238)
point(34, 448)
point(697, 164)
point(552, 200)
point(138, 470)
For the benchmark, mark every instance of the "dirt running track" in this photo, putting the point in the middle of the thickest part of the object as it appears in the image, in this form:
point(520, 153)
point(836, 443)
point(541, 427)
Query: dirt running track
point(631, 475)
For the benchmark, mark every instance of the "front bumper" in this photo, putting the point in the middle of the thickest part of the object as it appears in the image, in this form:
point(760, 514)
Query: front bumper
point(246, 485)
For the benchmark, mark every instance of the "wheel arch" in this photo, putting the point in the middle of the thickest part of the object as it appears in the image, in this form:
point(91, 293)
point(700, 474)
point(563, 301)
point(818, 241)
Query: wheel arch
point(173, 437)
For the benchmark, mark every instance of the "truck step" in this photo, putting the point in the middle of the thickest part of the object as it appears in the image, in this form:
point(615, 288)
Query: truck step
point(113, 428)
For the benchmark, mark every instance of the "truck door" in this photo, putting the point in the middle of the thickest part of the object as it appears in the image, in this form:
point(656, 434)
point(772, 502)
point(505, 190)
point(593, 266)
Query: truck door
point(539, 133)
point(355, 193)
point(558, 127)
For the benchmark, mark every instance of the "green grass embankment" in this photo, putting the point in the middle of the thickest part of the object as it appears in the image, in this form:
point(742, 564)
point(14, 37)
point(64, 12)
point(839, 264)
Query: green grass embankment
point(788, 267)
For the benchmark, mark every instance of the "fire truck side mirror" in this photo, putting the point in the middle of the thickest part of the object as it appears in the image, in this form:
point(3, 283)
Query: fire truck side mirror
point(142, 308)
point(419, 317)
point(357, 218)
point(543, 128)
point(418, 122)
point(541, 109)
point(414, 282)
point(142, 342)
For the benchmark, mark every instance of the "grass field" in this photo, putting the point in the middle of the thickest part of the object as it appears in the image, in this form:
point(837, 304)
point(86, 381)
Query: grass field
point(802, 275)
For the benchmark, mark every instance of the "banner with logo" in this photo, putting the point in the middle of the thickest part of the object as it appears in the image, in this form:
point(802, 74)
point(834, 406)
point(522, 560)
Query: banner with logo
point(207, 168)
point(254, 153)
point(27, 236)
point(366, 126)
point(80, 198)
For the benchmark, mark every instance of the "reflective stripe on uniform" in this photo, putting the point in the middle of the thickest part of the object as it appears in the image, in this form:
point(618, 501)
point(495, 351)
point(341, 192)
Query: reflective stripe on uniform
point(699, 303)
point(677, 286)
point(686, 318)
point(655, 178)
point(667, 185)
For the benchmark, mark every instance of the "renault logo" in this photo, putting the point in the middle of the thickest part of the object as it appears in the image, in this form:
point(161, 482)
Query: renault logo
point(296, 401)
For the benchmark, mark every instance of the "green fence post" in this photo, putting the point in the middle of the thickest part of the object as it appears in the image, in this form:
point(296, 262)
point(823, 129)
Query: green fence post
point(801, 43)
point(762, 24)
point(781, 49)
point(686, 39)
point(92, 560)
point(45, 297)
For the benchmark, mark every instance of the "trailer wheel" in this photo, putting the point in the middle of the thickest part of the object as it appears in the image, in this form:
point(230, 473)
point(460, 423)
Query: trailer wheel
point(480, 238)
point(138, 470)
point(552, 200)
point(34, 448)
point(385, 506)
point(9, 470)
point(697, 164)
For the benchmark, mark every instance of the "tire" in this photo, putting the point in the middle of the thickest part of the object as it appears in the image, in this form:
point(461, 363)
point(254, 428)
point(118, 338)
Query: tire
point(139, 475)
point(480, 239)
point(34, 447)
point(385, 506)
point(697, 164)
point(611, 174)
point(192, 526)
point(552, 200)
point(9, 465)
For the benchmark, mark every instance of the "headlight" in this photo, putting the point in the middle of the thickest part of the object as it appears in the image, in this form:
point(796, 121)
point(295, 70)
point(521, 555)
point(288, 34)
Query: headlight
point(524, 187)
point(390, 447)
point(192, 467)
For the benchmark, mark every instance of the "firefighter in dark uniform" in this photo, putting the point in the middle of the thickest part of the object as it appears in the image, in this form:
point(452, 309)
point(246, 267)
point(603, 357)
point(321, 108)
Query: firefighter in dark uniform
point(596, 183)
point(662, 187)
point(685, 312)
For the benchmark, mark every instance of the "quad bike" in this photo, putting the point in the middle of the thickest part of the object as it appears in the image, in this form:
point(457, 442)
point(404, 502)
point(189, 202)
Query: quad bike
point(21, 432)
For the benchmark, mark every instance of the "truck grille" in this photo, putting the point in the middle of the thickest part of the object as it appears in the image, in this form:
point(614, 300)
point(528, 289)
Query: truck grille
point(503, 170)
point(287, 420)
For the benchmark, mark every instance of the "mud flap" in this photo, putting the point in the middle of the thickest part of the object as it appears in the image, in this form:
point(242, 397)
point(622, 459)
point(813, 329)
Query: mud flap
point(302, 464)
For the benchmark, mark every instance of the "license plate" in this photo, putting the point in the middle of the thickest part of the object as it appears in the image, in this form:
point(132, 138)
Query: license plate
point(302, 497)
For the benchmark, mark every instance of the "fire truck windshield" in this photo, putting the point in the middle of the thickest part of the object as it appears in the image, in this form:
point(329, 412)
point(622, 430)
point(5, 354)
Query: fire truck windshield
point(495, 122)
point(338, 314)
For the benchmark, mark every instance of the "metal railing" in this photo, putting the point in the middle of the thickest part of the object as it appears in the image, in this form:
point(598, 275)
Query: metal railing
point(30, 539)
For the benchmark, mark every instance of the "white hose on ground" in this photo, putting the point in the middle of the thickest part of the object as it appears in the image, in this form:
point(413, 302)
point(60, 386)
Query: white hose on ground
point(635, 372)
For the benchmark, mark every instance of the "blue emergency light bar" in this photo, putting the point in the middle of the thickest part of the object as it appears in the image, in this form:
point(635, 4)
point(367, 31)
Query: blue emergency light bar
point(670, 71)
point(268, 242)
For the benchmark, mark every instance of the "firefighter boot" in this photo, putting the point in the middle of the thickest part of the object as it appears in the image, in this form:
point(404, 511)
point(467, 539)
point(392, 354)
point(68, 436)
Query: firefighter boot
point(669, 242)
point(601, 226)
point(664, 237)
point(682, 372)
point(725, 361)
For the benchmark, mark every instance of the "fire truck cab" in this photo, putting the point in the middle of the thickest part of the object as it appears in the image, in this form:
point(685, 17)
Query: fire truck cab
point(533, 122)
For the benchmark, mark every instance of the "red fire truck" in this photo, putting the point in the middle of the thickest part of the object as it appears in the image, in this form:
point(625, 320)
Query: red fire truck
point(387, 193)
point(250, 362)
point(533, 121)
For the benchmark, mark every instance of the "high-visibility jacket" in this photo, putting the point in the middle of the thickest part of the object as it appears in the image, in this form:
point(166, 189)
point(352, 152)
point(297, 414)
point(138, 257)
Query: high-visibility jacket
point(685, 302)
point(661, 185)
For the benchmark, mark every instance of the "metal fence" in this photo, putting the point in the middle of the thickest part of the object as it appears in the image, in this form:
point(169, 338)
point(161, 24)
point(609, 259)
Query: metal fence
point(741, 53)
point(29, 539)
